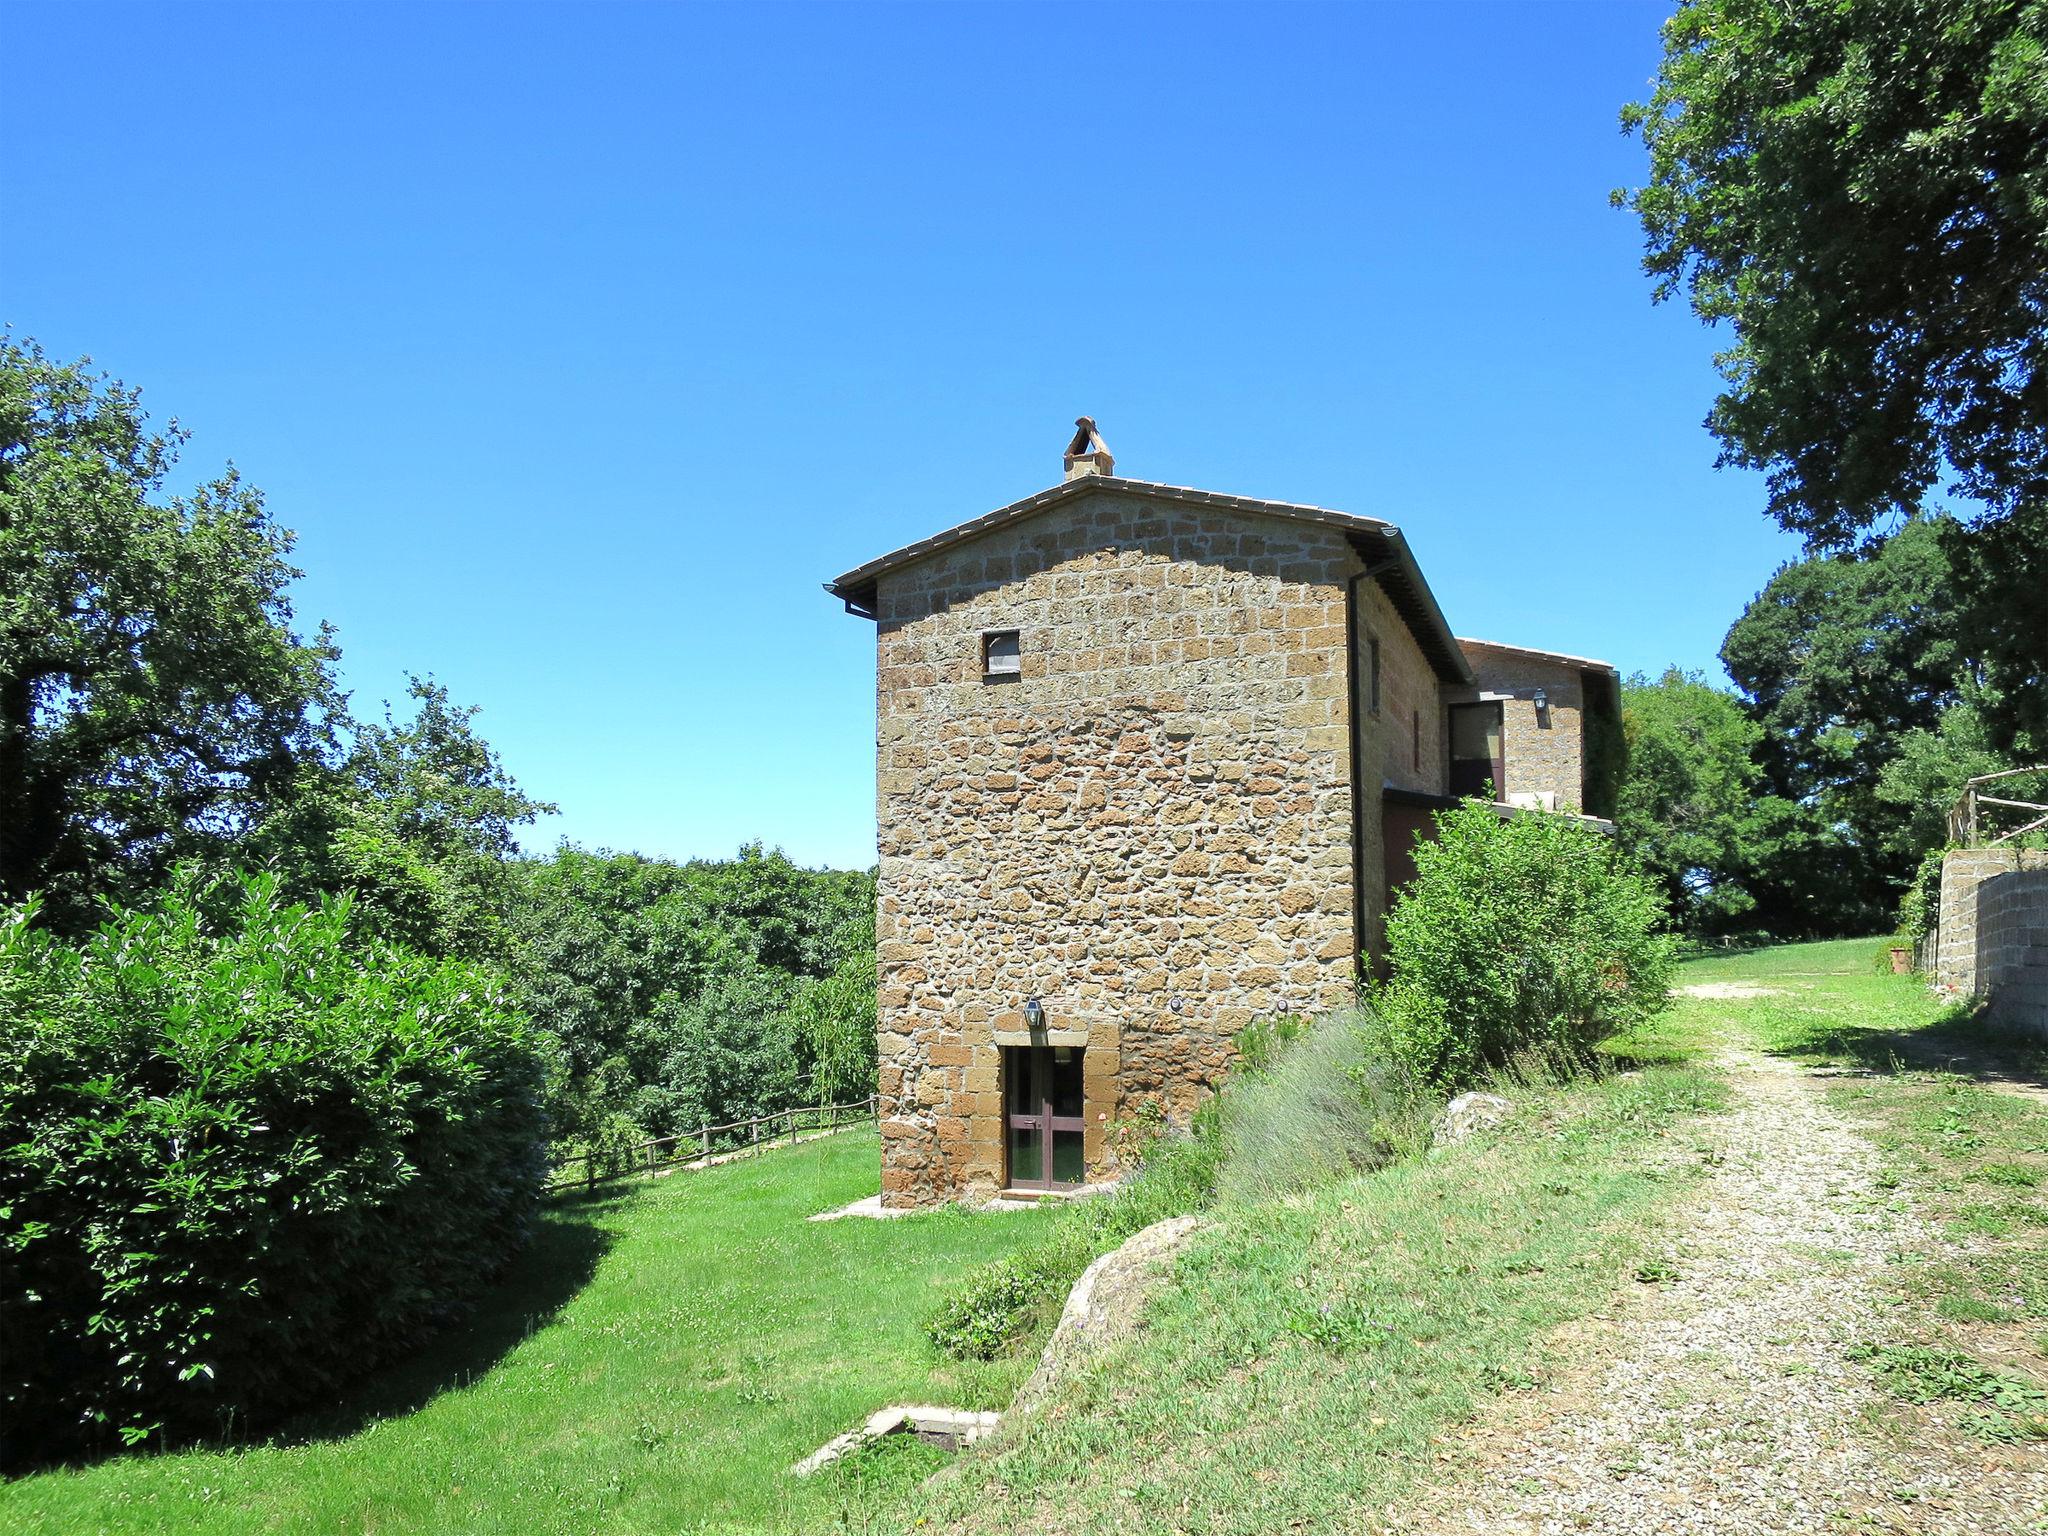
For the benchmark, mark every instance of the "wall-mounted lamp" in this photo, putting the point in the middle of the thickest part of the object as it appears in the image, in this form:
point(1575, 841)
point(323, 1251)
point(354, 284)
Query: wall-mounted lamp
point(1541, 700)
point(1034, 1013)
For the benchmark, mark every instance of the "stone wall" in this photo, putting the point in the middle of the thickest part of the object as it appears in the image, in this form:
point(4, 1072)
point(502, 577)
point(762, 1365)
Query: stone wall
point(1148, 828)
point(1404, 746)
point(1992, 937)
point(1545, 751)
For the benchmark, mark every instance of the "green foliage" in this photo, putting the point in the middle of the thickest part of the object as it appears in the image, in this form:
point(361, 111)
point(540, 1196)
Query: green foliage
point(243, 1155)
point(155, 702)
point(1872, 712)
point(1528, 933)
point(416, 822)
point(1925, 778)
point(835, 1021)
point(1858, 191)
point(1689, 812)
point(1920, 907)
point(686, 994)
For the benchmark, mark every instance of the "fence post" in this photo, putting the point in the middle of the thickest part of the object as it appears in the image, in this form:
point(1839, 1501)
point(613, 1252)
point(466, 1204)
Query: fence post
point(589, 1173)
point(705, 1133)
point(754, 1134)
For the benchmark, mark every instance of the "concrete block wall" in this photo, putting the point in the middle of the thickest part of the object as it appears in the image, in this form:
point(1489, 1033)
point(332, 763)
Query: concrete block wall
point(1992, 938)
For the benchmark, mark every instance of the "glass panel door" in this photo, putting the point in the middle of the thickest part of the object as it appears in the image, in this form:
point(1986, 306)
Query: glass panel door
point(1043, 1123)
point(1063, 1114)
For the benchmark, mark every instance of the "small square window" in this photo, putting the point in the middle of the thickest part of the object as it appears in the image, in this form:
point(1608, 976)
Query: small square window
point(1000, 653)
point(1374, 642)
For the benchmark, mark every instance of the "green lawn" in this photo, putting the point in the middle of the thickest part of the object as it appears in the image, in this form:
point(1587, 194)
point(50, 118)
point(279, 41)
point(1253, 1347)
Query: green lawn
point(1300, 1368)
point(1957, 1111)
point(654, 1363)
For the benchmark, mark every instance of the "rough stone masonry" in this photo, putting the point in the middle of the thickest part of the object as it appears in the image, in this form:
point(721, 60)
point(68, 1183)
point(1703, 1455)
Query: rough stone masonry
point(1115, 768)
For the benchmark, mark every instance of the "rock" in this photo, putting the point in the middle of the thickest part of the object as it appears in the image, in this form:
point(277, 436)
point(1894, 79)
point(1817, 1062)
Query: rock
point(1105, 1304)
point(1467, 1113)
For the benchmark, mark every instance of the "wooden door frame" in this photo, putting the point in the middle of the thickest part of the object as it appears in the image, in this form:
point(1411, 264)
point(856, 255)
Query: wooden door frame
point(1038, 1060)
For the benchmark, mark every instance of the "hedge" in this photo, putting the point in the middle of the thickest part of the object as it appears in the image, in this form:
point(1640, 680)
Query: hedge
point(244, 1155)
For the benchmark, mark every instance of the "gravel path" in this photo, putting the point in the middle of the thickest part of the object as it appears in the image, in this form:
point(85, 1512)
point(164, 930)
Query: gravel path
point(1721, 1401)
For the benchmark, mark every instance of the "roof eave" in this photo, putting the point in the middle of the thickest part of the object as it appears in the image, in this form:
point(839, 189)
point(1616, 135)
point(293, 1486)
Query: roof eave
point(1381, 545)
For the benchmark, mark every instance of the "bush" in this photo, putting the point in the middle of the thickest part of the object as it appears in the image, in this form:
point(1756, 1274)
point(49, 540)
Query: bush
point(1524, 934)
point(243, 1156)
point(1001, 1307)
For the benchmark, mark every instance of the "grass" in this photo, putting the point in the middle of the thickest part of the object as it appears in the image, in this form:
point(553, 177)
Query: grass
point(1310, 1350)
point(1932, 1089)
point(654, 1363)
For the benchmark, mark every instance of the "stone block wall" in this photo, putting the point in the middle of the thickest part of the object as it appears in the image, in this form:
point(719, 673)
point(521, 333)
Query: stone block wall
point(1544, 752)
point(1404, 747)
point(1992, 937)
point(1148, 828)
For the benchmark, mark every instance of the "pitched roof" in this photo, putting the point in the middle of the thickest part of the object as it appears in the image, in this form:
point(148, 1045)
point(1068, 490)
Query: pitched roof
point(1530, 650)
point(1381, 545)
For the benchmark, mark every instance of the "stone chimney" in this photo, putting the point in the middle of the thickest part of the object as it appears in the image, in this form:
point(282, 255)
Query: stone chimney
point(1088, 454)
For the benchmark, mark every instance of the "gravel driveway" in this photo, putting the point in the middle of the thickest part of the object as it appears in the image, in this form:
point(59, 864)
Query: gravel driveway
point(1719, 1398)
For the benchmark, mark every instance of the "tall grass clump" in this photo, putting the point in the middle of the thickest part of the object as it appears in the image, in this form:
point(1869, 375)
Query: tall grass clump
point(244, 1155)
point(1333, 1099)
point(1525, 937)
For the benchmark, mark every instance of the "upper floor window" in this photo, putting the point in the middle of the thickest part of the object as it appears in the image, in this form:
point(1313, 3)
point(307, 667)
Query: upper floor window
point(1001, 653)
point(1477, 758)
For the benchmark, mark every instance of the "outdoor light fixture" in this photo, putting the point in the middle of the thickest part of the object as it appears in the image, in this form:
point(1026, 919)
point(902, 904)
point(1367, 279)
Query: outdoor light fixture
point(1541, 700)
point(1034, 1013)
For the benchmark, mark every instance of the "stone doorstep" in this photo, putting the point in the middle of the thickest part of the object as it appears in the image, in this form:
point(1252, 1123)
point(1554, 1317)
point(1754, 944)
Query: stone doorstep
point(948, 1427)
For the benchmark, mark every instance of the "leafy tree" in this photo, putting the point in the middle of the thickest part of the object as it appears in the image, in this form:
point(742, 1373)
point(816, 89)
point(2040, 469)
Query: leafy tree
point(1844, 659)
point(416, 821)
point(682, 993)
point(1925, 777)
point(1861, 192)
point(154, 698)
point(835, 1020)
point(1689, 809)
point(245, 1153)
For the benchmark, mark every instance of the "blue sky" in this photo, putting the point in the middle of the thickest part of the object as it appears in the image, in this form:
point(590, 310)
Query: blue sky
point(580, 343)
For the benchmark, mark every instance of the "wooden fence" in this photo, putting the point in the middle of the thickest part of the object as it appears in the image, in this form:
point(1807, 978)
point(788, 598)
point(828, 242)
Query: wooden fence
point(742, 1138)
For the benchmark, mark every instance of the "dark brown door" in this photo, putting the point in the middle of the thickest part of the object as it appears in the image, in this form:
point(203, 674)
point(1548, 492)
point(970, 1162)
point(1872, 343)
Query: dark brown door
point(1042, 1116)
point(1477, 758)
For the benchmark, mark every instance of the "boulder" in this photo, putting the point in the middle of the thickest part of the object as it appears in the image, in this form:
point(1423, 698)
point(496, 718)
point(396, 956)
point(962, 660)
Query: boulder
point(1467, 1113)
point(1105, 1304)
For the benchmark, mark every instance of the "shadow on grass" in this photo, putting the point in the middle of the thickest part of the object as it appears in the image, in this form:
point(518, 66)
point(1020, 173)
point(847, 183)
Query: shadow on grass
point(568, 1245)
point(1958, 1042)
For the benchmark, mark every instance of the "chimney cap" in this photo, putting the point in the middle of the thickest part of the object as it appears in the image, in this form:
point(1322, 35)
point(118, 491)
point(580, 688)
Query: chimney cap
point(1088, 454)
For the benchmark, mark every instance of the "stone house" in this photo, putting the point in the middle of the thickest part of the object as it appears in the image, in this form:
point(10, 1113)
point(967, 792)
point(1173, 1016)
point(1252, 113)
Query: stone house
point(1149, 761)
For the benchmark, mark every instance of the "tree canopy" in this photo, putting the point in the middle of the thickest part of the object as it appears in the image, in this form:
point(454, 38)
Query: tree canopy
point(1690, 812)
point(154, 697)
point(1861, 192)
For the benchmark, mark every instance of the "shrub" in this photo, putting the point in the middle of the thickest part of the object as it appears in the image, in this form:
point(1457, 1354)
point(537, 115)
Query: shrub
point(1006, 1305)
point(243, 1155)
point(1524, 934)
